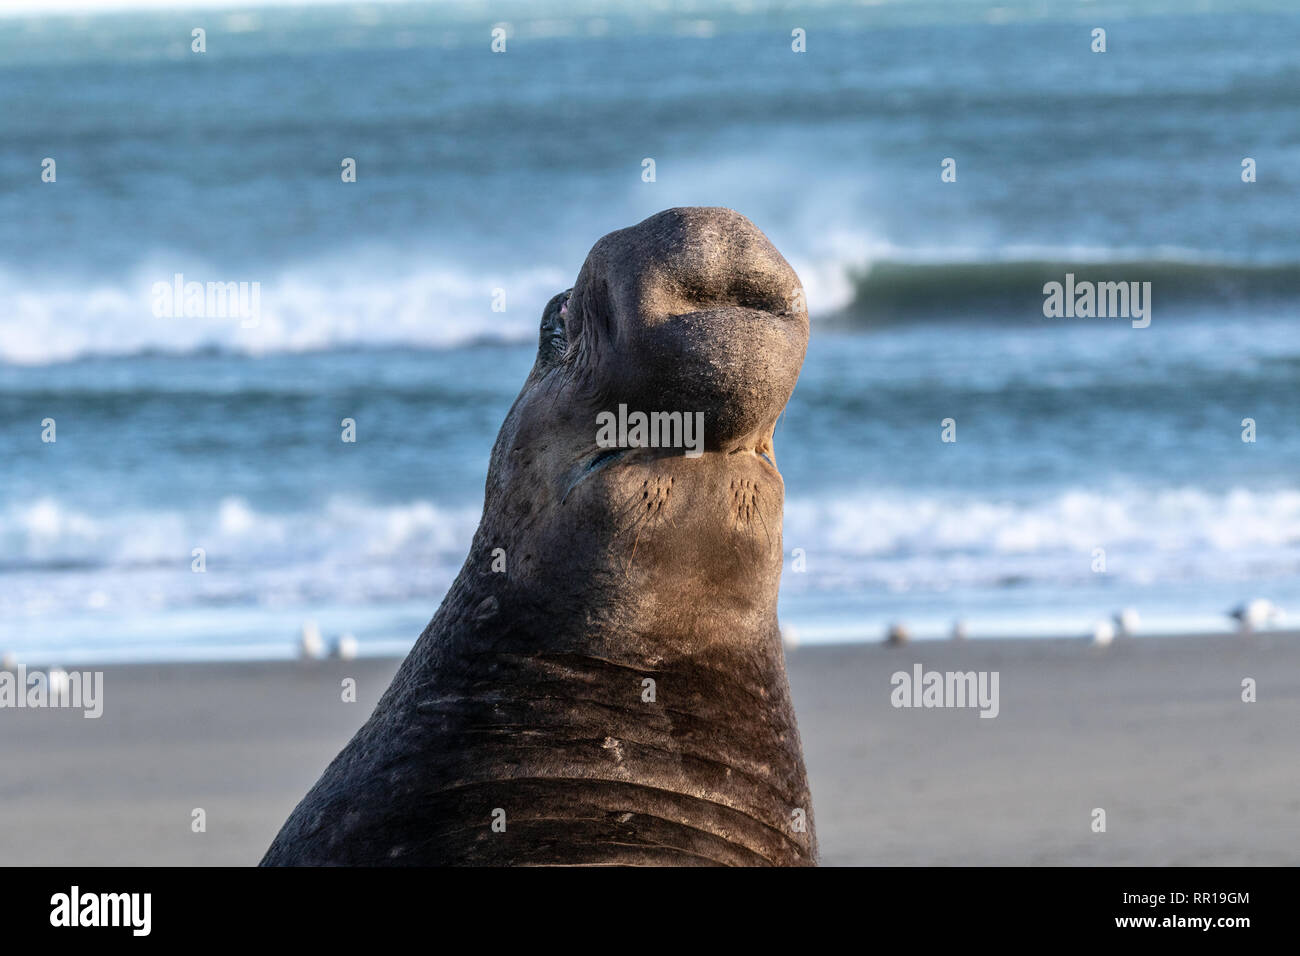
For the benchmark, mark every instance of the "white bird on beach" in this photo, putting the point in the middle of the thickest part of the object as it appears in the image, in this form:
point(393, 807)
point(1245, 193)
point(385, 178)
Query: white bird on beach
point(959, 630)
point(1255, 614)
point(1127, 622)
point(8, 661)
point(311, 645)
point(1103, 633)
point(345, 648)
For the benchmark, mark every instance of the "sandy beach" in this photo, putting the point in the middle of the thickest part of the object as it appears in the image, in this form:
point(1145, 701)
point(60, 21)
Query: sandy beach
point(1152, 730)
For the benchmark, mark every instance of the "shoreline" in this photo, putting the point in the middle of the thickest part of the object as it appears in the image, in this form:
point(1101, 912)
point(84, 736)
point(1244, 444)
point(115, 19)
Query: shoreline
point(287, 652)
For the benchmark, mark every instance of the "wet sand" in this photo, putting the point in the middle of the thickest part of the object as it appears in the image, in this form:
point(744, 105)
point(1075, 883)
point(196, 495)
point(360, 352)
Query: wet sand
point(1152, 730)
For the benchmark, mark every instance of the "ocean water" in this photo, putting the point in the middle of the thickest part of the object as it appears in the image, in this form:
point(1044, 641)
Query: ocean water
point(479, 172)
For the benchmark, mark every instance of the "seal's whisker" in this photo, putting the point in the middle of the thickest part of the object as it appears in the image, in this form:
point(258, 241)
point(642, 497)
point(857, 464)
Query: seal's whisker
point(633, 504)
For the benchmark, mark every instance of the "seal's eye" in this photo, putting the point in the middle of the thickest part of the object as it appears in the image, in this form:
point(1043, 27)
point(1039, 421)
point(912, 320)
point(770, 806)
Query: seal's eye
point(553, 337)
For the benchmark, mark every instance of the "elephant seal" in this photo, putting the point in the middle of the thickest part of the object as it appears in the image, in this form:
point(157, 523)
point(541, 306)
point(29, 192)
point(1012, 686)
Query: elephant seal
point(604, 682)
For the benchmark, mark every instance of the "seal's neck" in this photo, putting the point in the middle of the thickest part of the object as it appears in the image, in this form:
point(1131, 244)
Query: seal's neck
point(633, 731)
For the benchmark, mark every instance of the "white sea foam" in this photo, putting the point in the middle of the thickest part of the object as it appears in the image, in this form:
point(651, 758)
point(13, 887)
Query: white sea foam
point(906, 542)
point(305, 308)
point(898, 542)
point(382, 302)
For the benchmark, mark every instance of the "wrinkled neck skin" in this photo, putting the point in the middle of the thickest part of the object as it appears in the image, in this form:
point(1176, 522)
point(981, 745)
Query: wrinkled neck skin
point(535, 679)
point(604, 682)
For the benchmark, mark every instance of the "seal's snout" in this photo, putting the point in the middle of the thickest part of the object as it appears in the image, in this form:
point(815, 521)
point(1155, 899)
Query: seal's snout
point(700, 313)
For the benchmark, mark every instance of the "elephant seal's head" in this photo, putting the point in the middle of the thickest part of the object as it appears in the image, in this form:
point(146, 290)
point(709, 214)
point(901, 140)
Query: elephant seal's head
point(693, 327)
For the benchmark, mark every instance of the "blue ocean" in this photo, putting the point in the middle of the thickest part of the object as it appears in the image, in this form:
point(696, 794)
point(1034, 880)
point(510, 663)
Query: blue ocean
point(408, 300)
